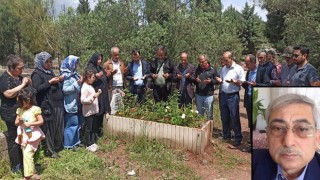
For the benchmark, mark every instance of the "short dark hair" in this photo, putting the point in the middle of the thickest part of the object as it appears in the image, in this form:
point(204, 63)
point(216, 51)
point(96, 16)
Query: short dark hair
point(252, 58)
point(303, 49)
point(135, 51)
point(13, 61)
point(26, 95)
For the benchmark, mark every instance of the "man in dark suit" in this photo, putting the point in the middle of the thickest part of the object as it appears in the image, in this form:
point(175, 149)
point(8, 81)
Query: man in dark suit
point(138, 72)
point(293, 136)
point(183, 74)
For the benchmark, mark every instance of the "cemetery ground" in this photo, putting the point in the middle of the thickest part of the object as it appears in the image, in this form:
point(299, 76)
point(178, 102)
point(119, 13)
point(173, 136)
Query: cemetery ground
point(149, 159)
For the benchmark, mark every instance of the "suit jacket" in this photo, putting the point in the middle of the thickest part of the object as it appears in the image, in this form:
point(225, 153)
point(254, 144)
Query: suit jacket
point(188, 83)
point(264, 168)
point(145, 71)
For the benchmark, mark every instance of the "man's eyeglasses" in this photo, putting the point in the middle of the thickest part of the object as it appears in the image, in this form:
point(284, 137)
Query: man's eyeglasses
point(295, 55)
point(301, 130)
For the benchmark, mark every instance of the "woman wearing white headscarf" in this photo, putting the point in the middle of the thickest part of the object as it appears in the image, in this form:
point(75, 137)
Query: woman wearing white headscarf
point(71, 90)
point(50, 99)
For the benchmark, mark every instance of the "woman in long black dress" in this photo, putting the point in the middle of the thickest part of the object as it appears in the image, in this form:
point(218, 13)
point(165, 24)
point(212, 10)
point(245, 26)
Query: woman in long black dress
point(50, 99)
point(100, 83)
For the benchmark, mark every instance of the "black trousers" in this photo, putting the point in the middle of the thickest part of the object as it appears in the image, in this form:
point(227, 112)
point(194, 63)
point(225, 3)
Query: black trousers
point(90, 136)
point(249, 111)
point(184, 98)
point(14, 150)
point(160, 93)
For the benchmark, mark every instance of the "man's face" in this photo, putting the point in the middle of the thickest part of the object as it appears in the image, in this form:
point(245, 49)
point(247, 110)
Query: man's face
point(251, 66)
point(289, 60)
point(184, 59)
point(160, 55)
point(136, 57)
point(115, 55)
point(289, 150)
point(227, 60)
point(222, 63)
point(261, 58)
point(203, 62)
point(298, 58)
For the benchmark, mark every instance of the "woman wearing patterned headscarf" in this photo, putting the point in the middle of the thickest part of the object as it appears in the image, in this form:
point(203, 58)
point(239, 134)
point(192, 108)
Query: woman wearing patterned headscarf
point(71, 90)
point(100, 83)
point(50, 99)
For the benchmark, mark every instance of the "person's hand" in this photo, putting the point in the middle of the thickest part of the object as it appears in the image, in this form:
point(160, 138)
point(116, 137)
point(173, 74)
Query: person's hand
point(187, 75)
point(253, 83)
point(61, 78)
point(27, 124)
point(114, 71)
point(276, 83)
point(230, 81)
point(207, 81)
point(54, 80)
point(179, 76)
point(219, 79)
point(237, 82)
point(135, 78)
point(143, 77)
point(97, 94)
point(99, 75)
point(108, 72)
point(198, 80)
point(154, 76)
point(80, 80)
point(166, 75)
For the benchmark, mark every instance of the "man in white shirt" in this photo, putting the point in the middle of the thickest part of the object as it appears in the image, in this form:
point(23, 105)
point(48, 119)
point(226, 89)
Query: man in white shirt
point(232, 76)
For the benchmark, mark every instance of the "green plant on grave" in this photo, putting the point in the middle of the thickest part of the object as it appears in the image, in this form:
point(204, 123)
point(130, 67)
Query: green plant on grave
point(257, 107)
point(164, 112)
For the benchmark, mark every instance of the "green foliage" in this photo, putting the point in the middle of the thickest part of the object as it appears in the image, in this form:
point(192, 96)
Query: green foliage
point(7, 32)
point(257, 107)
point(164, 112)
point(3, 126)
point(153, 155)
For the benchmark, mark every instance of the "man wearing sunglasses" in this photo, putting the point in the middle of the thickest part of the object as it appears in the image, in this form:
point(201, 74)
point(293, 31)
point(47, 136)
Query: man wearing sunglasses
point(293, 136)
point(305, 74)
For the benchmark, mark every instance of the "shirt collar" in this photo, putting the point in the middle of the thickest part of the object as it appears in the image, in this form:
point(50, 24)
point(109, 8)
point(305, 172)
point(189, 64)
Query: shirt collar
point(279, 174)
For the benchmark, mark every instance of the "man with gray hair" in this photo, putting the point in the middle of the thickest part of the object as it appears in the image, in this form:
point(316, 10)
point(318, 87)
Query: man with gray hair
point(293, 137)
point(116, 69)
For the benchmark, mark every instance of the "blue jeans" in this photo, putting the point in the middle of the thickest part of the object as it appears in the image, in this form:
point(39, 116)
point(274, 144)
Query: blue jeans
point(229, 111)
point(205, 103)
point(71, 130)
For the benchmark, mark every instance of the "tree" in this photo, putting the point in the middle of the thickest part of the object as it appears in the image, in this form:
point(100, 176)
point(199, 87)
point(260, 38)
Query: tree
point(83, 7)
point(7, 32)
point(250, 33)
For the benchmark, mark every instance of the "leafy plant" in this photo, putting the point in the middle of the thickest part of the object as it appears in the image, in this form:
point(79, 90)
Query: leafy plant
point(257, 107)
point(164, 112)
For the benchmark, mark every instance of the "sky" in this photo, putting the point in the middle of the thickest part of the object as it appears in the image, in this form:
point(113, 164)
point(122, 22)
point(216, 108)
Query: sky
point(238, 4)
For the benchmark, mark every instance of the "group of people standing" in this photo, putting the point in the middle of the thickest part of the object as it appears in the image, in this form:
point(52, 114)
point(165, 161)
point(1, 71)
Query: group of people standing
point(65, 100)
point(56, 104)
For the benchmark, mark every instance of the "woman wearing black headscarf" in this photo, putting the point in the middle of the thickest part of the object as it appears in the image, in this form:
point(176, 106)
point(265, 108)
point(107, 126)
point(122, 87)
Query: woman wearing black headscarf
point(50, 99)
point(100, 83)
